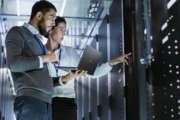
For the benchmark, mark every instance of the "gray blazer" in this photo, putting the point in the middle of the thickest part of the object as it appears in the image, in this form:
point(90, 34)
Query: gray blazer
point(22, 58)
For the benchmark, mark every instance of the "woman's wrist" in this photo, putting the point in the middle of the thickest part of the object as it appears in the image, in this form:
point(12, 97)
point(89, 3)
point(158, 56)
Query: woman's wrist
point(66, 78)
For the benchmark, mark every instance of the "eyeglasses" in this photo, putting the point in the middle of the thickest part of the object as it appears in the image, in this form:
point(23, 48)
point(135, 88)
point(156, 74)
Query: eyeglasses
point(62, 30)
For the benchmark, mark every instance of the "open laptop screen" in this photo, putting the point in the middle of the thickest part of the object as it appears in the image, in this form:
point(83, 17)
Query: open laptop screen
point(88, 61)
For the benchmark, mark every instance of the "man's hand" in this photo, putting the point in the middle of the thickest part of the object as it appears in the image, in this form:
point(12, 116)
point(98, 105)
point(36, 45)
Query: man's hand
point(71, 75)
point(120, 59)
point(52, 57)
point(52, 44)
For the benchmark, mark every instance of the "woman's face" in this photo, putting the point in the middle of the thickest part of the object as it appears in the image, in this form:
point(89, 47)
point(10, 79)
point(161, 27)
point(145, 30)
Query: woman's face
point(59, 32)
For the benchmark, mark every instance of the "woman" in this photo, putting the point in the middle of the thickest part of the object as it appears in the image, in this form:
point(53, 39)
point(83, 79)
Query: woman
point(63, 103)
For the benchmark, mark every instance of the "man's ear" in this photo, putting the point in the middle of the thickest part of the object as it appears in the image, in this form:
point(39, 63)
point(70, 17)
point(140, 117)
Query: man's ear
point(39, 15)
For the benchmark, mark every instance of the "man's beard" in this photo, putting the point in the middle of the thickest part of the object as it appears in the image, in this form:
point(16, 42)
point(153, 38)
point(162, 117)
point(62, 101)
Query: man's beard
point(42, 30)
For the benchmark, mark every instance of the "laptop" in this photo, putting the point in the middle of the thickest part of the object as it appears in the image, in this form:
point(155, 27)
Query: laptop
point(88, 61)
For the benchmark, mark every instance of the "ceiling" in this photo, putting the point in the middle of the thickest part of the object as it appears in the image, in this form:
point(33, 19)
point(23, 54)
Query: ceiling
point(80, 16)
point(71, 8)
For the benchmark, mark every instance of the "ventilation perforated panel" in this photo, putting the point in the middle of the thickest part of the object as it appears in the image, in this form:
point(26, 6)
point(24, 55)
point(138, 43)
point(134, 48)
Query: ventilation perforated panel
point(166, 67)
point(6, 85)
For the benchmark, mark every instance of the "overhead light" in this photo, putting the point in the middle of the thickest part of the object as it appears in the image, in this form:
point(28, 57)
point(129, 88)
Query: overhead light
point(94, 5)
point(171, 3)
point(18, 7)
point(63, 7)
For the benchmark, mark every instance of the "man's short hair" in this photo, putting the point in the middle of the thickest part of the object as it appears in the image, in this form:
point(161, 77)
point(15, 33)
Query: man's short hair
point(42, 6)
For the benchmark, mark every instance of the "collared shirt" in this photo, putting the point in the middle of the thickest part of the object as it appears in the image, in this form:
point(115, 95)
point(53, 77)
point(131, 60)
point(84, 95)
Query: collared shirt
point(31, 28)
point(34, 31)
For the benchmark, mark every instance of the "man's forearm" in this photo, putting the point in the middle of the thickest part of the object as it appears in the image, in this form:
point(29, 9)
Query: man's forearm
point(22, 64)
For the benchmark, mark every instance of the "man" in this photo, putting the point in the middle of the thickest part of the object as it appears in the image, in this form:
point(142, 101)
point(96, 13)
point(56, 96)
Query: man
point(64, 106)
point(27, 60)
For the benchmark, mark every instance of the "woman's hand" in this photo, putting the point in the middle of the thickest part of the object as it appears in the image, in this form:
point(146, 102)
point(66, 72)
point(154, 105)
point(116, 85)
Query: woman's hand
point(71, 75)
point(52, 43)
point(120, 59)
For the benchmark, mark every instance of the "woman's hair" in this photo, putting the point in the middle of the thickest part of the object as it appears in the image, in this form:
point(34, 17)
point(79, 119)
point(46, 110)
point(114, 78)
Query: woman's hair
point(59, 20)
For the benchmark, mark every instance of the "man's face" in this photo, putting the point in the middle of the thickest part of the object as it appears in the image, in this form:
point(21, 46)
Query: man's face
point(47, 22)
point(59, 32)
